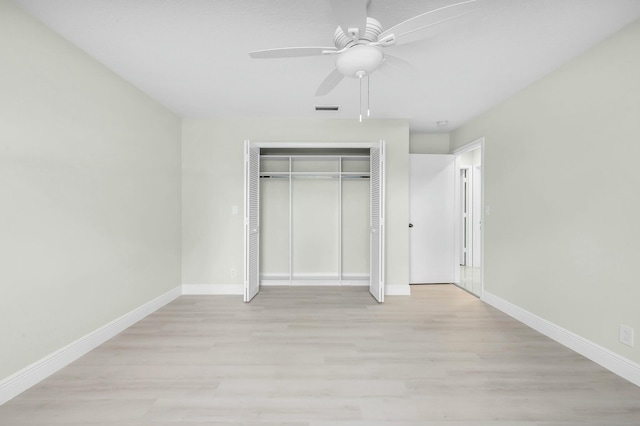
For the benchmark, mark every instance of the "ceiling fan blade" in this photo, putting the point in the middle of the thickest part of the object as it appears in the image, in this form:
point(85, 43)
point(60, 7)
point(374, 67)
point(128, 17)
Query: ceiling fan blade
point(329, 83)
point(403, 76)
point(351, 14)
point(292, 52)
point(397, 33)
point(400, 66)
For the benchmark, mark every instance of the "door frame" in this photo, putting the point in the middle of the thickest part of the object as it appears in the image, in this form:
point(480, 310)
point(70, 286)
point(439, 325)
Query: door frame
point(464, 216)
point(380, 144)
point(475, 144)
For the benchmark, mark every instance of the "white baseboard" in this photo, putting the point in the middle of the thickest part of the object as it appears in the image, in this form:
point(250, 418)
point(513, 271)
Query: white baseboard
point(608, 359)
point(397, 290)
point(22, 380)
point(354, 283)
point(300, 283)
point(209, 289)
point(389, 290)
point(314, 279)
point(269, 282)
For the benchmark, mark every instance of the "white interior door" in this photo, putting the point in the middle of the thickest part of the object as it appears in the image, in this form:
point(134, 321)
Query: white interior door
point(376, 240)
point(252, 221)
point(433, 257)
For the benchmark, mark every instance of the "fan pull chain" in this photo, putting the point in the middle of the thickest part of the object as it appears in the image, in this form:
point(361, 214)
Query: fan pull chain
point(368, 98)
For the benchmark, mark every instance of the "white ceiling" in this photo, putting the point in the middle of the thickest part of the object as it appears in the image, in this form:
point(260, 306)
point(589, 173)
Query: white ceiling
point(191, 55)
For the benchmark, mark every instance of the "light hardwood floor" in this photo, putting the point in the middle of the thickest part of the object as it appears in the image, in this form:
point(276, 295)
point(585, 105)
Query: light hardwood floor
point(329, 356)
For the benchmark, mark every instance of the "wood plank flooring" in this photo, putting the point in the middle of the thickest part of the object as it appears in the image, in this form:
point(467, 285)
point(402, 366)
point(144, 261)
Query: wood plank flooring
point(309, 356)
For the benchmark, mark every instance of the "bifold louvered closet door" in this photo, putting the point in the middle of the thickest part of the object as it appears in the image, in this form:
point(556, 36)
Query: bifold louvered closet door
point(252, 221)
point(376, 244)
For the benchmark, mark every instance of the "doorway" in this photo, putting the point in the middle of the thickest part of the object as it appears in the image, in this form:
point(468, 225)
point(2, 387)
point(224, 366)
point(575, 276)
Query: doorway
point(310, 222)
point(469, 201)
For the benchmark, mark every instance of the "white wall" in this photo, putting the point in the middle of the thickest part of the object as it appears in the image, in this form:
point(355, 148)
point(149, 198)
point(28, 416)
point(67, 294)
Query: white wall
point(355, 226)
point(315, 226)
point(274, 227)
point(429, 143)
point(330, 221)
point(89, 193)
point(471, 158)
point(212, 165)
point(562, 184)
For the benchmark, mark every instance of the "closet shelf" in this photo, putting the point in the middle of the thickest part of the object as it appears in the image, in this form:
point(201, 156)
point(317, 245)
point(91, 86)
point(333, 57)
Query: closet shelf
point(367, 174)
point(314, 157)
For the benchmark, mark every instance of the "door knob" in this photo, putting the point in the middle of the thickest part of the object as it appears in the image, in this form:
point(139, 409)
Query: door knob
point(411, 225)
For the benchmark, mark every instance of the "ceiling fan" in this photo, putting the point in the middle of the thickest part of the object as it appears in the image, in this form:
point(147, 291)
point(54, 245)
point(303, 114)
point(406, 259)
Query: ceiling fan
point(359, 40)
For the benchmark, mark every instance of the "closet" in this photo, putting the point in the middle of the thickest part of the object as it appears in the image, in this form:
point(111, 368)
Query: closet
point(314, 215)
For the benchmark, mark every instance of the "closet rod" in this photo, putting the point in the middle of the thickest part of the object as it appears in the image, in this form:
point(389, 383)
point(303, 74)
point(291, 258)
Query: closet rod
point(336, 176)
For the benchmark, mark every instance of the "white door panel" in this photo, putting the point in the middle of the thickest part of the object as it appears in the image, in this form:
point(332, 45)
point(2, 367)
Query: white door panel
point(432, 213)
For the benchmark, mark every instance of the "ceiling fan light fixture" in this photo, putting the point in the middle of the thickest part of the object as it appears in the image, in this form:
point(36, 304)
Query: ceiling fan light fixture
point(357, 59)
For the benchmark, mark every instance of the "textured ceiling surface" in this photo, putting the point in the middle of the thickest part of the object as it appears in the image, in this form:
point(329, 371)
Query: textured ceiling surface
point(191, 55)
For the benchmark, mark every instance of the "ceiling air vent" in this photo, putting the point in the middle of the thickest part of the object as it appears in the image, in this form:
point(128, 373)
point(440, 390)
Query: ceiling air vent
point(327, 107)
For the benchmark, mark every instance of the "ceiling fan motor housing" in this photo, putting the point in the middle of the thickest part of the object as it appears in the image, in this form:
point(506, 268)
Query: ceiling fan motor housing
point(371, 33)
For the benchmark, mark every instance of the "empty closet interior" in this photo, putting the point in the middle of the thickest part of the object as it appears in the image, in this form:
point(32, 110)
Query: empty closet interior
point(314, 216)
